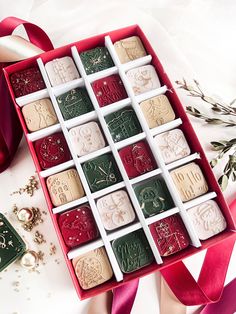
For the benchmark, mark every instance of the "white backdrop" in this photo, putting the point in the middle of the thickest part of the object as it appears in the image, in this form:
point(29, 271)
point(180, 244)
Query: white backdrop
point(193, 39)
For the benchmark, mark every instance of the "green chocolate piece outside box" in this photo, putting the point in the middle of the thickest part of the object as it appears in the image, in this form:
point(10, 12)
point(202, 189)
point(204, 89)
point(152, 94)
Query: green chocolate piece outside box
point(153, 196)
point(95, 60)
point(11, 244)
point(74, 103)
point(123, 124)
point(132, 251)
point(101, 172)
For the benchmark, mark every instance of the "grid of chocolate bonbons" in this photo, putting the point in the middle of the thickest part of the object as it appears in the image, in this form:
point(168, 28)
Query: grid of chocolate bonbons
point(119, 172)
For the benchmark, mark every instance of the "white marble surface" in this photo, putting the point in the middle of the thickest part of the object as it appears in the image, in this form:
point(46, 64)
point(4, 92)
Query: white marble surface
point(194, 39)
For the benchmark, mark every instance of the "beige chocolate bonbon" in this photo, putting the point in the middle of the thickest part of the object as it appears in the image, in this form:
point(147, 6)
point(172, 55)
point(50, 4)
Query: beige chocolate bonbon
point(189, 181)
point(39, 114)
point(207, 219)
point(64, 187)
point(87, 138)
point(157, 111)
point(92, 268)
point(129, 49)
point(173, 145)
point(115, 210)
point(61, 70)
point(143, 79)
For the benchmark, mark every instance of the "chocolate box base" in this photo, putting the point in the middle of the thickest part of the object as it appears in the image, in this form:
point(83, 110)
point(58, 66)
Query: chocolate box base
point(184, 124)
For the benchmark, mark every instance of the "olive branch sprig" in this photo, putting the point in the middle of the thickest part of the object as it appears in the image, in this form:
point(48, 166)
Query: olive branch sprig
point(220, 109)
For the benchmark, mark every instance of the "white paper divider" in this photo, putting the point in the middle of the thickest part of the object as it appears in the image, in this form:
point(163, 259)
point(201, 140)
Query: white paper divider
point(165, 214)
point(66, 87)
point(131, 140)
point(137, 63)
point(95, 154)
point(152, 93)
point(108, 190)
point(145, 176)
point(166, 127)
point(124, 230)
point(24, 100)
point(116, 269)
point(155, 149)
point(61, 167)
point(183, 161)
point(115, 106)
point(85, 248)
point(84, 118)
point(64, 207)
point(116, 155)
point(199, 200)
point(101, 74)
point(43, 132)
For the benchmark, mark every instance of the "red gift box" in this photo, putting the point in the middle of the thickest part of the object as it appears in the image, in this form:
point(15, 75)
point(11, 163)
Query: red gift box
point(181, 121)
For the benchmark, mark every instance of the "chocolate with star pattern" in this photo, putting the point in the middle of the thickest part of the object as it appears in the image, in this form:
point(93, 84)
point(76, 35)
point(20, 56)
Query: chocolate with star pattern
point(11, 244)
point(137, 159)
point(153, 196)
point(123, 124)
point(95, 60)
point(78, 226)
point(74, 103)
point(170, 235)
point(27, 81)
point(52, 150)
point(101, 172)
point(109, 89)
point(132, 251)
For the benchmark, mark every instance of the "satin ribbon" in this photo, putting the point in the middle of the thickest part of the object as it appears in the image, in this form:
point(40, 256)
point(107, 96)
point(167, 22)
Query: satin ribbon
point(12, 49)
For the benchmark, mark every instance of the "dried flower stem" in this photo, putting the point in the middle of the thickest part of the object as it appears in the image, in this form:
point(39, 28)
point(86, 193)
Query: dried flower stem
point(223, 147)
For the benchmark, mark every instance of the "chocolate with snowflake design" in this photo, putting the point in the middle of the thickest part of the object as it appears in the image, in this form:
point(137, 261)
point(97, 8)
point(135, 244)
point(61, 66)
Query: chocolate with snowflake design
point(96, 60)
point(27, 81)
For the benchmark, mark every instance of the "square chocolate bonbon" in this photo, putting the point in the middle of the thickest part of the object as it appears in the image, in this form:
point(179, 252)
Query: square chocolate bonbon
point(189, 181)
point(92, 268)
point(170, 235)
point(74, 103)
point(61, 70)
point(87, 138)
point(27, 81)
point(129, 49)
point(101, 172)
point(78, 226)
point(132, 251)
point(137, 159)
point(153, 196)
point(95, 60)
point(52, 150)
point(64, 187)
point(11, 244)
point(207, 219)
point(173, 145)
point(157, 111)
point(115, 210)
point(39, 114)
point(143, 79)
point(109, 89)
point(123, 124)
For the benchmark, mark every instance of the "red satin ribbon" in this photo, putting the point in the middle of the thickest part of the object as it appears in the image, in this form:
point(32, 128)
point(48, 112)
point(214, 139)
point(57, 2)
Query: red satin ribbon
point(10, 128)
point(207, 289)
point(123, 298)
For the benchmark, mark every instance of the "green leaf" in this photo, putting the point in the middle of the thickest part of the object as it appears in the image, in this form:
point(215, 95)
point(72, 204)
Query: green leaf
point(223, 182)
point(213, 162)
